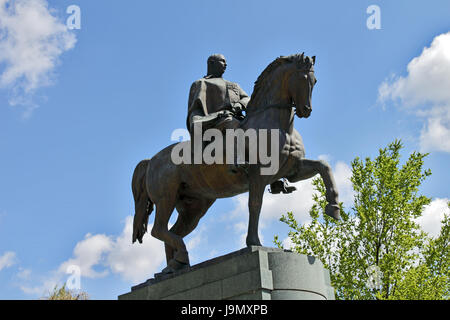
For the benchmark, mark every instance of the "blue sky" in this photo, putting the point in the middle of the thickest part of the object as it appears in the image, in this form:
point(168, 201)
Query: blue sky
point(80, 108)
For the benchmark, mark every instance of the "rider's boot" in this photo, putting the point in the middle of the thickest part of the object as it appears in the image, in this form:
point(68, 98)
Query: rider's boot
point(281, 186)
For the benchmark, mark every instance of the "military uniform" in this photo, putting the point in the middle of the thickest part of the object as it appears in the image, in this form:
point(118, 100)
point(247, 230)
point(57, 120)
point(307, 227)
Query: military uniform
point(213, 100)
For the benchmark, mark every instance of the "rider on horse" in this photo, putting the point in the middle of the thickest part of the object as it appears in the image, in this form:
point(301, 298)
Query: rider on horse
point(217, 103)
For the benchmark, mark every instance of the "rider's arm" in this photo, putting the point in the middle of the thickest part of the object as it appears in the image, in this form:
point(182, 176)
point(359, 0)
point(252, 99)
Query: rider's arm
point(243, 98)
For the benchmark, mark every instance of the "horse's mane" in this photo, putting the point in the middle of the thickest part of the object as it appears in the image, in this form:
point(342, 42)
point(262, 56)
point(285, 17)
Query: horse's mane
point(302, 61)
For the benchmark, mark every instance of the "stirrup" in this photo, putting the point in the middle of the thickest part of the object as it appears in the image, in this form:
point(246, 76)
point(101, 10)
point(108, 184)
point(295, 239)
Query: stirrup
point(281, 186)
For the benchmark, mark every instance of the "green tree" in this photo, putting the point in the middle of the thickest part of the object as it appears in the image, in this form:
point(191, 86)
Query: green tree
point(63, 293)
point(377, 250)
point(430, 279)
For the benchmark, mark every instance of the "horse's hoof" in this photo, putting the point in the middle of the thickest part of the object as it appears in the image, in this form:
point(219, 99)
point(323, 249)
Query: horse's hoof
point(333, 211)
point(254, 242)
point(167, 270)
point(181, 257)
point(175, 265)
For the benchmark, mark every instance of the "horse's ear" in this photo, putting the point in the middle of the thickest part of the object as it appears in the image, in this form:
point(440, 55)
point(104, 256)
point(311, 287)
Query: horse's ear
point(302, 56)
point(314, 59)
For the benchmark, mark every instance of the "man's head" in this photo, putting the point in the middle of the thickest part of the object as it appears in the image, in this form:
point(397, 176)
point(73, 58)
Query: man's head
point(216, 65)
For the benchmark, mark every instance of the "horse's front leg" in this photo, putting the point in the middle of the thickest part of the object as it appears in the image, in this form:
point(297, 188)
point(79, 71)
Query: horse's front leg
point(255, 199)
point(307, 169)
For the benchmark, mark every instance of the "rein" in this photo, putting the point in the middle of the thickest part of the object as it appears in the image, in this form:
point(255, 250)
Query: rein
point(275, 105)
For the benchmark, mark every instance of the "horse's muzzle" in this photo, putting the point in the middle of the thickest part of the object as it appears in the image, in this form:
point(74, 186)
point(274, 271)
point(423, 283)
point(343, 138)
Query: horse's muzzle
point(304, 111)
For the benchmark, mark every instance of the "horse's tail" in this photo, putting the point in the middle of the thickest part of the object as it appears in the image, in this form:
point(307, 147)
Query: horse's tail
point(142, 204)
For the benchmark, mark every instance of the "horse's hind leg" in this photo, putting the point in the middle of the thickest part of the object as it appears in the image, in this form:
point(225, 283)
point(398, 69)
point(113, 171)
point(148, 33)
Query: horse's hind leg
point(309, 168)
point(189, 214)
point(164, 209)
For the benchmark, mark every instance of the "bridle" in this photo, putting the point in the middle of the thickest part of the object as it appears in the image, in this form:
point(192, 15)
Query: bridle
point(278, 105)
point(274, 105)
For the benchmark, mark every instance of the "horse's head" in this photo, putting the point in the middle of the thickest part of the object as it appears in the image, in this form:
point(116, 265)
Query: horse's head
point(300, 83)
point(288, 80)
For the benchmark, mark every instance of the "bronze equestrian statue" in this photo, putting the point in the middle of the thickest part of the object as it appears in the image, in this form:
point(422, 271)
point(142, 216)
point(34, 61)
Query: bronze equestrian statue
point(217, 103)
point(282, 91)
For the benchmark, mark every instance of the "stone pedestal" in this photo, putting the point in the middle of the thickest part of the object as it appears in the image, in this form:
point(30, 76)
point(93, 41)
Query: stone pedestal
point(257, 273)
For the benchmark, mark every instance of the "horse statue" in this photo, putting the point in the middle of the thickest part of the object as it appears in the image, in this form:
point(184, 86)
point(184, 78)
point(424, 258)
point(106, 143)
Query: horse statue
point(282, 91)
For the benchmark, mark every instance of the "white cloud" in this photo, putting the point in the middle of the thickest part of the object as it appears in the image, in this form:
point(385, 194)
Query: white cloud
point(24, 274)
point(7, 260)
point(32, 40)
point(299, 202)
point(89, 253)
point(342, 174)
point(135, 262)
point(425, 91)
point(194, 245)
point(240, 228)
point(101, 255)
point(45, 287)
point(325, 157)
point(197, 237)
point(435, 135)
point(287, 243)
point(433, 214)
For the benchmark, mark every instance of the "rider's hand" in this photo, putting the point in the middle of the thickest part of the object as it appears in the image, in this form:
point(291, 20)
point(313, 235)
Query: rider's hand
point(237, 108)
